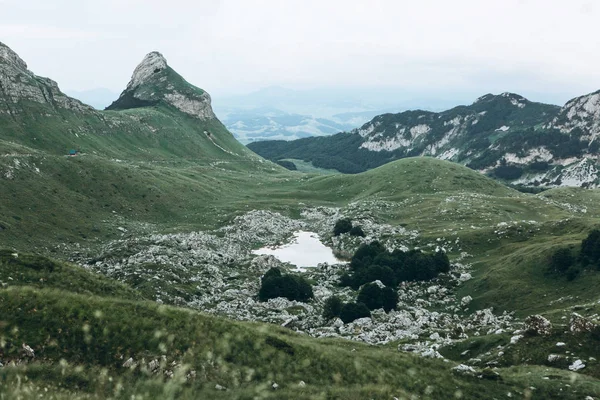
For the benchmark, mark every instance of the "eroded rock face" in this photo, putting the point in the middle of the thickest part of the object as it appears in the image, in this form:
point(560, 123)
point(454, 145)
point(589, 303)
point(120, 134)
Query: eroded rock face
point(18, 84)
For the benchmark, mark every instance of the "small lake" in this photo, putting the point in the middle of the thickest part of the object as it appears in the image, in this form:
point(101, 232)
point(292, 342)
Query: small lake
point(304, 251)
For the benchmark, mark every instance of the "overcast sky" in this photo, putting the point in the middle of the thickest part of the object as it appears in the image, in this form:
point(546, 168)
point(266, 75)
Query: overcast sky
point(549, 48)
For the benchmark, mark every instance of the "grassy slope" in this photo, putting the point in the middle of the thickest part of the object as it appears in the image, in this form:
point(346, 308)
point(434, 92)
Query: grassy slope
point(94, 335)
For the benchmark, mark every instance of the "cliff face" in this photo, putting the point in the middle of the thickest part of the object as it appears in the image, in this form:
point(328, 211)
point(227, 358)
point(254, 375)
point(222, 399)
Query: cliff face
point(154, 82)
point(18, 85)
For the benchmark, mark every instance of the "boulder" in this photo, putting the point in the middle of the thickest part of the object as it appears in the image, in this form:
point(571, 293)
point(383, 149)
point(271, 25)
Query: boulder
point(577, 365)
point(580, 324)
point(538, 325)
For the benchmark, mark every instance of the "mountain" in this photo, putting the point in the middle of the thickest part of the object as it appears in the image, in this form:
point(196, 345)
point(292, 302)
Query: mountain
point(506, 136)
point(158, 112)
point(277, 113)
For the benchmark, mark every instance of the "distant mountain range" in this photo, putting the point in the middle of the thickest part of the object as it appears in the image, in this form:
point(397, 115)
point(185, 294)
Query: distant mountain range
point(505, 136)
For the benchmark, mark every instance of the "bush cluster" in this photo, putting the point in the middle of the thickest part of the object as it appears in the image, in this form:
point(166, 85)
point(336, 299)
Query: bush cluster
point(293, 287)
point(347, 312)
point(373, 262)
point(344, 225)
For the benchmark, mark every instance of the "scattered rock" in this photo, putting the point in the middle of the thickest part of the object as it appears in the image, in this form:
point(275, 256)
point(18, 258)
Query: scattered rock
point(580, 324)
point(275, 386)
point(538, 325)
point(553, 357)
point(219, 387)
point(464, 369)
point(28, 350)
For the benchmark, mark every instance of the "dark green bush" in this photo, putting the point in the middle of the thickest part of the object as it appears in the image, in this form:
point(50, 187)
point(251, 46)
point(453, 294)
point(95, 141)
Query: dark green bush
point(357, 231)
point(373, 262)
point(293, 287)
point(508, 172)
point(333, 307)
point(353, 311)
point(287, 165)
point(375, 297)
point(342, 226)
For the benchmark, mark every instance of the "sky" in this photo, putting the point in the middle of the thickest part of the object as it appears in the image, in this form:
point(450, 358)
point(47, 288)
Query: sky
point(547, 49)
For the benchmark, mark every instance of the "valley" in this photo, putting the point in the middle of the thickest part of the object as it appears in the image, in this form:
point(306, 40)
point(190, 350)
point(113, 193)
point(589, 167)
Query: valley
point(129, 269)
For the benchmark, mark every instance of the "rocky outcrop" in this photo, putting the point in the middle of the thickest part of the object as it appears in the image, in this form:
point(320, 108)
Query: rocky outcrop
point(19, 85)
point(538, 325)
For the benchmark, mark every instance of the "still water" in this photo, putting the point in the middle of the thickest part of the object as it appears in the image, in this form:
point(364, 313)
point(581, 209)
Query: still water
point(304, 251)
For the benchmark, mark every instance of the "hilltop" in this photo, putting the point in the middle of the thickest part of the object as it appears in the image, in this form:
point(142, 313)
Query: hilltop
point(506, 136)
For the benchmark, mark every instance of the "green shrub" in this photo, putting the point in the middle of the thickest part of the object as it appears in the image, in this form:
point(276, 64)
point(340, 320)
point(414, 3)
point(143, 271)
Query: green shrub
point(333, 307)
point(342, 226)
point(373, 262)
point(353, 311)
point(357, 231)
point(508, 172)
point(293, 287)
point(375, 297)
point(287, 165)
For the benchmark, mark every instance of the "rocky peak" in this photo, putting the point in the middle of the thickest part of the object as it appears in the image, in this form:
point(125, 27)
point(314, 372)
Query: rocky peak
point(506, 97)
point(7, 56)
point(153, 83)
point(152, 63)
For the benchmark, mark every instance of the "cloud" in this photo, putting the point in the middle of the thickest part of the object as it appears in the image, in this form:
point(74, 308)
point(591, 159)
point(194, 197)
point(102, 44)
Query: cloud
point(237, 45)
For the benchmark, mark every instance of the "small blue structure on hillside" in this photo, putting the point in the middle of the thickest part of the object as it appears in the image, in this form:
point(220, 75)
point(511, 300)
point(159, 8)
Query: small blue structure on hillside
point(72, 152)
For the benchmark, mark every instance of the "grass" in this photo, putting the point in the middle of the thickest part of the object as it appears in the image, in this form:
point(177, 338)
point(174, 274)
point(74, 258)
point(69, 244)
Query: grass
point(94, 335)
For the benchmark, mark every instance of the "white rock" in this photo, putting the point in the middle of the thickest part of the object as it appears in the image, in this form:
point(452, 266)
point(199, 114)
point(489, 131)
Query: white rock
point(28, 350)
point(465, 300)
point(465, 369)
point(553, 357)
point(561, 344)
point(219, 387)
point(577, 365)
point(515, 339)
point(275, 386)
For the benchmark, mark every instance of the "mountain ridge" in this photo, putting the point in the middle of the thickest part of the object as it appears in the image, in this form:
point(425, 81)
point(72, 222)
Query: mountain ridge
point(505, 135)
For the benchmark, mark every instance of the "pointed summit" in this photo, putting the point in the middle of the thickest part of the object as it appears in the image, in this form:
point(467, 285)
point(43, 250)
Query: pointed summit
point(152, 63)
point(154, 83)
